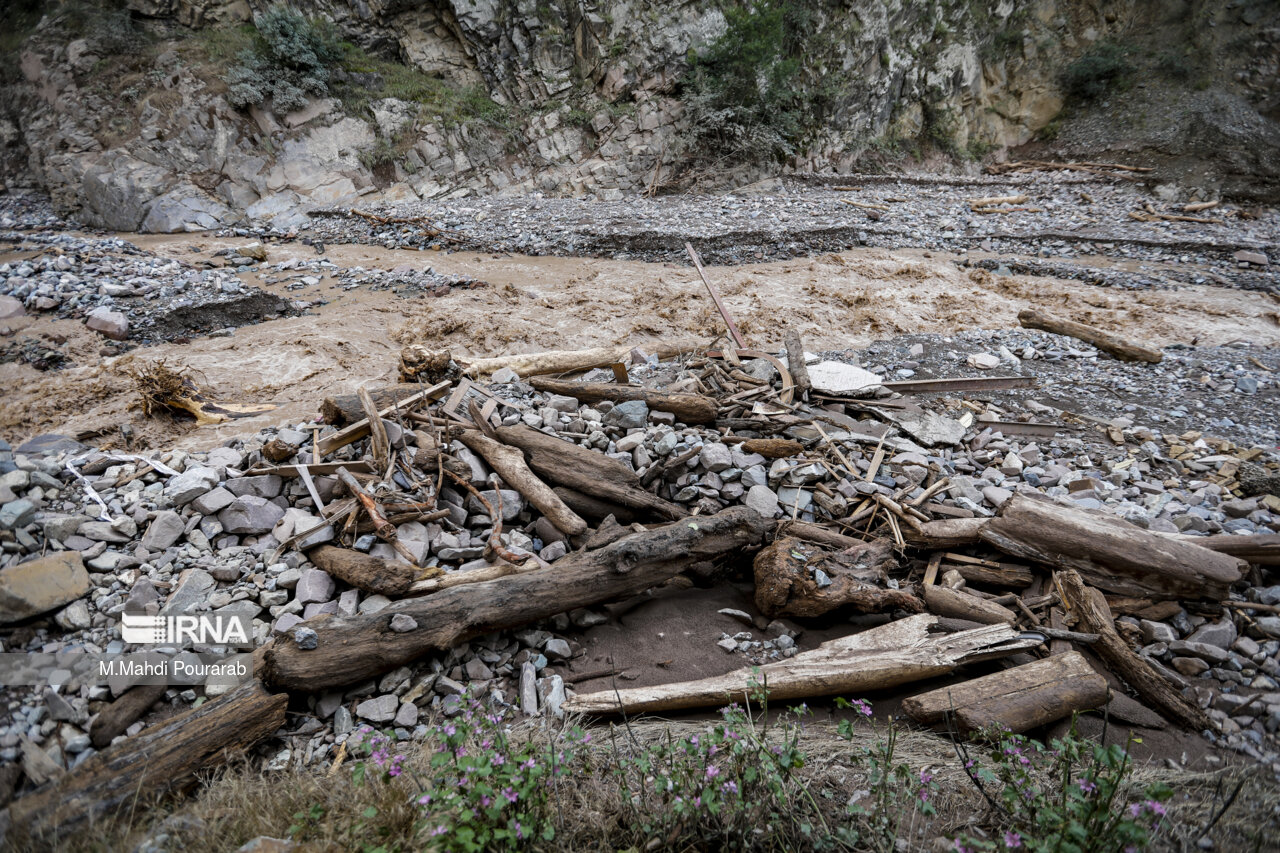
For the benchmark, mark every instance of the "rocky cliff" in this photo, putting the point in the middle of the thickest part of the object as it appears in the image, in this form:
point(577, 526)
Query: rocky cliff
point(123, 115)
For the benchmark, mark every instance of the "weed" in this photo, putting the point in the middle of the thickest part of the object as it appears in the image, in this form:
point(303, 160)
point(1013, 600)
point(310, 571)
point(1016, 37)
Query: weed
point(290, 59)
point(1097, 71)
point(1069, 796)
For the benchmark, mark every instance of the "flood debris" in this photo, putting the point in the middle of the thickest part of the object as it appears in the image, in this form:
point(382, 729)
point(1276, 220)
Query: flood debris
point(422, 539)
point(161, 388)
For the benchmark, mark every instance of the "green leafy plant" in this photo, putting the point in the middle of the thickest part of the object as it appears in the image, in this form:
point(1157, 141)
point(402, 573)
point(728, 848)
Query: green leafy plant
point(749, 94)
point(1096, 72)
point(1069, 797)
point(291, 59)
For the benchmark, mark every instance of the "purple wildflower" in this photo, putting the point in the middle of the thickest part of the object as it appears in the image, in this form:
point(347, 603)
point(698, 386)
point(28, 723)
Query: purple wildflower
point(1012, 840)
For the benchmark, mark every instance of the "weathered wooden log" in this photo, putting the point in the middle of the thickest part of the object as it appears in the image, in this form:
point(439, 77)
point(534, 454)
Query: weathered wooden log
point(1018, 699)
point(509, 463)
point(771, 448)
point(816, 533)
point(688, 408)
point(568, 361)
point(1119, 347)
point(1090, 609)
point(1111, 553)
point(369, 573)
point(423, 364)
point(343, 409)
point(786, 585)
point(960, 605)
point(1260, 548)
point(897, 653)
point(357, 430)
point(949, 533)
point(161, 759)
point(122, 713)
point(795, 361)
point(586, 471)
point(353, 648)
point(592, 507)
point(998, 575)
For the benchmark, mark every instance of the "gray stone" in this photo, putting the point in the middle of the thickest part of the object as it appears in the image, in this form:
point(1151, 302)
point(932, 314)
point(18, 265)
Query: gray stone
point(1221, 634)
point(984, 361)
point(166, 528)
point(632, 414)
point(190, 484)
point(266, 486)
point(403, 624)
point(314, 585)
point(763, 500)
point(380, 709)
point(477, 671)
point(551, 692)
point(561, 403)
point(1213, 654)
point(557, 649)
point(108, 323)
point(10, 308)
point(250, 515)
point(342, 722)
point(1157, 632)
point(192, 587)
point(306, 638)
point(1248, 257)
point(834, 377)
point(213, 501)
point(995, 495)
point(407, 716)
point(715, 457)
point(931, 429)
point(104, 531)
point(1190, 667)
point(528, 689)
point(512, 503)
point(16, 514)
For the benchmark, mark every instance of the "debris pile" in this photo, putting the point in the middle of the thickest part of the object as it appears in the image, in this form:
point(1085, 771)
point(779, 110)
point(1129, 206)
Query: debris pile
point(434, 538)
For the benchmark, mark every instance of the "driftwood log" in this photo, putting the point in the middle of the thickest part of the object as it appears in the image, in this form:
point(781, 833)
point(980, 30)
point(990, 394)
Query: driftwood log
point(114, 719)
point(343, 409)
point(785, 584)
point(369, 573)
point(960, 605)
point(1091, 612)
point(949, 533)
point(772, 448)
point(1260, 548)
point(357, 430)
point(1122, 349)
point(1019, 699)
point(897, 653)
point(1111, 553)
point(688, 408)
point(163, 758)
point(509, 463)
point(592, 507)
point(354, 648)
point(795, 361)
point(568, 361)
point(585, 471)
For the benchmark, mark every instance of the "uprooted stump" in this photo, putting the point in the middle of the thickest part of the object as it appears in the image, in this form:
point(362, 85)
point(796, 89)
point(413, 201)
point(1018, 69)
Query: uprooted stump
point(162, 387)
point(798, 578)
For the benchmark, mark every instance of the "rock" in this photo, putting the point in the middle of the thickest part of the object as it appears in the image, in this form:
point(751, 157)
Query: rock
point(931, 429)
point(212, 502)
point(250, 515)
point(41, 585)
point(104, 531)
point(166, 528)
point(380, 709)
point(74, 617)
point(403, 624)
point(528, 689)
point(834, 377)
point(314, 585)
point(1157, 632)
point(1245, 256)
point(557, 649)
point(995, 495)
point(1247, 385)
point(1221, 634)
point(551, 692)
point(306, 638)
point(728, 644)
point(715, 457)
point(407, 716)
point(1190, 666)
point(192, 587)
point(16, 514)
point(1213, 654)
point(267, 486)
point(477, 671)
point(10, 308)
point(983, 360)
point(512, 503)
point(190, 484)
point(111, 324)
point(763, 500)
point(631, 414)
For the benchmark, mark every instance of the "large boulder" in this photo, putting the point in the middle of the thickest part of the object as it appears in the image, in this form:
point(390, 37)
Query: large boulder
point(29, 589)
point(185, 208)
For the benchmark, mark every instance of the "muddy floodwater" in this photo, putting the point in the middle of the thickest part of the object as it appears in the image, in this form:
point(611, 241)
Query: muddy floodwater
point(351, 335)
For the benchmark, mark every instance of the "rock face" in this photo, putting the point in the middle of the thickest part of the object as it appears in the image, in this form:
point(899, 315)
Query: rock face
point(39, 586)
point(983, 77)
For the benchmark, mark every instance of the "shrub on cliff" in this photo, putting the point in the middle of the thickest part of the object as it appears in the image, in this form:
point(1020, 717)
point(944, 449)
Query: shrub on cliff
point(290, 60)
point(1093, 74)
point(748, 92)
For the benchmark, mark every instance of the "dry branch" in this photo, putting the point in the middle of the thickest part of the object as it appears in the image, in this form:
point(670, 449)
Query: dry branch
point(1114, 344)
point(893, 654)
point(511, 467)
point(568, 361)
point(354, 648)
